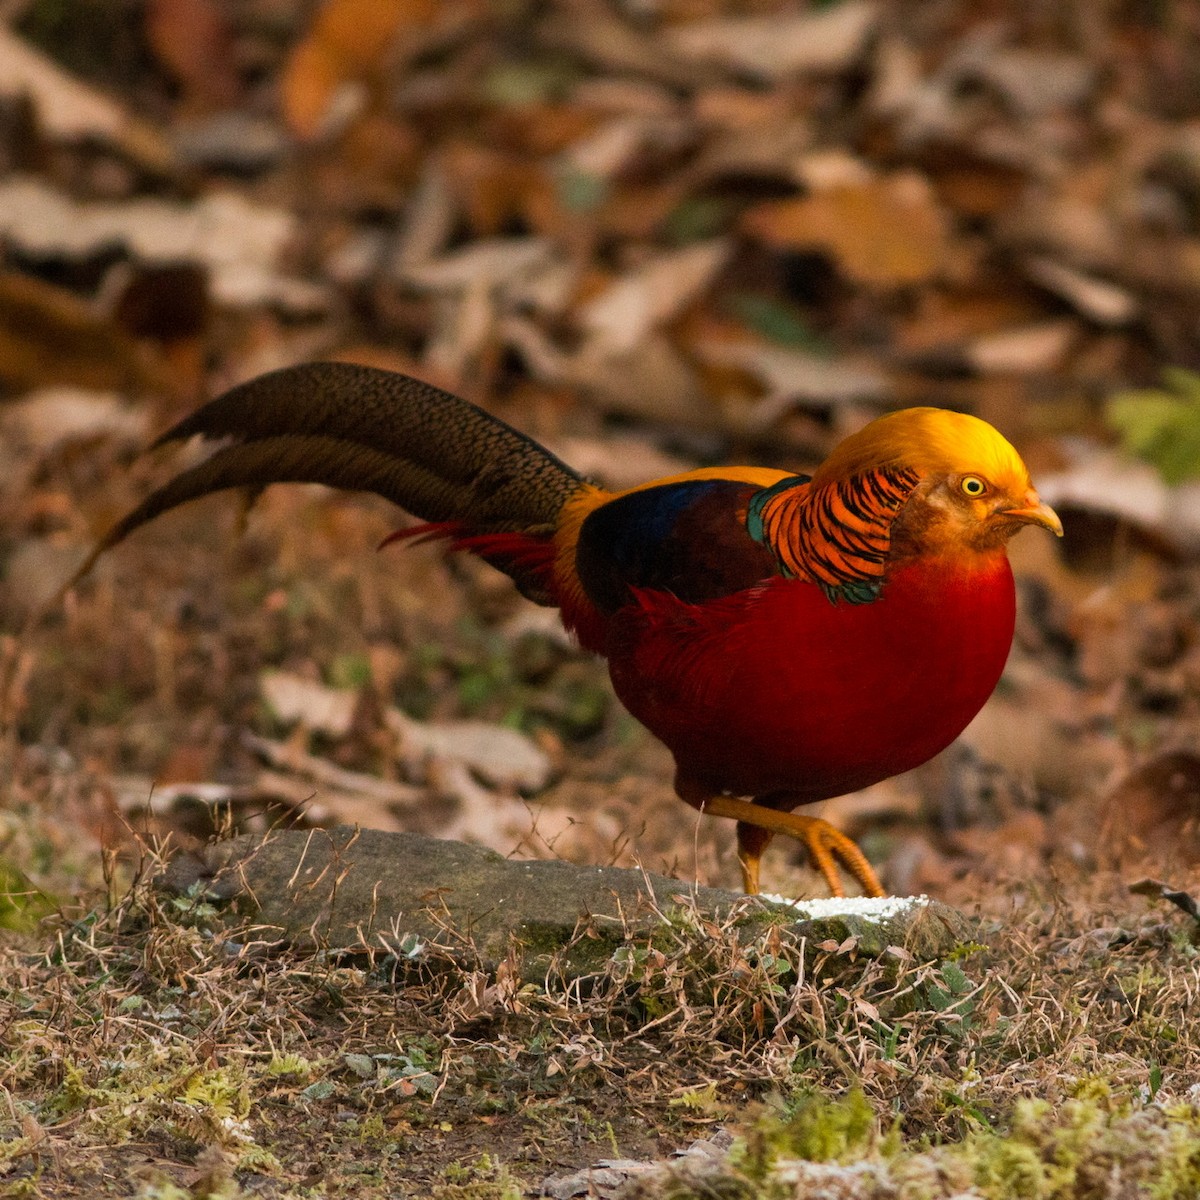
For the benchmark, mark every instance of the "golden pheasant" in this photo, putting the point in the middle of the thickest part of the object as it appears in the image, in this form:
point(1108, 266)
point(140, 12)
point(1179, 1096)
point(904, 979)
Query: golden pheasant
point(790, 638)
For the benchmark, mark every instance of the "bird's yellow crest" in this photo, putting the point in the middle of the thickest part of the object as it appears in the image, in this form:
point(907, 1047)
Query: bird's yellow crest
point(931, 441)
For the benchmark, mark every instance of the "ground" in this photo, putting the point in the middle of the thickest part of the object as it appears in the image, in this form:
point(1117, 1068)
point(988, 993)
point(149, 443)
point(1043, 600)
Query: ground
point(657, 235)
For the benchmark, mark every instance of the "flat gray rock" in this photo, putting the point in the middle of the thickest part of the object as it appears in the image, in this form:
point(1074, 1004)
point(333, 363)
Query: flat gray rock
point(357, 890)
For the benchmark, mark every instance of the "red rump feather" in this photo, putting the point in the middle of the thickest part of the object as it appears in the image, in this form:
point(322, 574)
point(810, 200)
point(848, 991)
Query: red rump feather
point(528, 559)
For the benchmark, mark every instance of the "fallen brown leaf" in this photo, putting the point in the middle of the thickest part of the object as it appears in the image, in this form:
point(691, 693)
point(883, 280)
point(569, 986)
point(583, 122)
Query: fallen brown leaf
point(771, 47)
point(49, 336)
point(69, 109)
point(1103, 302)
point(885, 232)
point(1158, 890)
point(793, 377)
point(240, 242)
point(501, 756)
point(1103, 481)
point(628, 309)
point(192, 39)
point(1028, 350)
point(1156, 807)
point(50, 418)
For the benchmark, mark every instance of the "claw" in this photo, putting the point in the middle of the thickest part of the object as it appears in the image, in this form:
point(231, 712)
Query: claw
point(826, 845)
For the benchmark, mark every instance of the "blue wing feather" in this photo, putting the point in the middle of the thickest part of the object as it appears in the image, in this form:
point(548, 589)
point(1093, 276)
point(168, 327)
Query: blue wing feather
point(688, 538)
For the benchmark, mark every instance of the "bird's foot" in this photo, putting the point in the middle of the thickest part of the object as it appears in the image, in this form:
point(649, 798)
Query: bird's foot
point(827, 845)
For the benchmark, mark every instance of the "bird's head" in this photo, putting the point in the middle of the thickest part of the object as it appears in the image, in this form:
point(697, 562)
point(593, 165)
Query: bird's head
point(973, 490)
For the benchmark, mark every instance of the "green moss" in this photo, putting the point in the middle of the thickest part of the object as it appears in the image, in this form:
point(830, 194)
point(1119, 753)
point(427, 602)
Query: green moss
point(1013, 1169)
point(161, 1088)
point(1178, 1176)
point(1071, 1151)
point(484, 1179)
point(22, 905)
point(822, 1130)
point(283, 1066)
point(811, 1127)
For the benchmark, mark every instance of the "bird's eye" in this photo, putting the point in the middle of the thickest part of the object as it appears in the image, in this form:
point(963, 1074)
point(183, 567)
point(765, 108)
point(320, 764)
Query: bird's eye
point(973, 486)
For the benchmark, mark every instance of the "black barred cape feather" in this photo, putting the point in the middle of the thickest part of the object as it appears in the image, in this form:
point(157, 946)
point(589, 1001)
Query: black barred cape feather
point(837, 535)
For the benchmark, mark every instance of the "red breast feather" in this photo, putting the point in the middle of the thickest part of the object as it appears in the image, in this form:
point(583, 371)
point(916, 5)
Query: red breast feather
point(776, 689)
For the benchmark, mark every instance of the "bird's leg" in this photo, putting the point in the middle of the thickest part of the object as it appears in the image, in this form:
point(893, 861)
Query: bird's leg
point(824, 843)
point(752, 841)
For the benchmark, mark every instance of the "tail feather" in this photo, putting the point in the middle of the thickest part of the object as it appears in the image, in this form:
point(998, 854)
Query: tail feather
point(435, 455)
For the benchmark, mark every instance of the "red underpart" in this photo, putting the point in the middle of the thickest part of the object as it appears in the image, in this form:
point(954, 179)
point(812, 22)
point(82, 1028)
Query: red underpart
point(775, 689)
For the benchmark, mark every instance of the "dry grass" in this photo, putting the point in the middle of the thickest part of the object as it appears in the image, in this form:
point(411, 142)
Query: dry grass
point(141, 1044)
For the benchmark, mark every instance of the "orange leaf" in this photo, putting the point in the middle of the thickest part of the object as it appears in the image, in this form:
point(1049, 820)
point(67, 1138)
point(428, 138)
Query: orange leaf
point(309, 81)
point(360, 32)
point(349, 40)
point(49, 336)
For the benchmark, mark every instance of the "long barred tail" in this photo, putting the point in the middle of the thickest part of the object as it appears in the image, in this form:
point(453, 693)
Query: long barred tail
point(437, 456)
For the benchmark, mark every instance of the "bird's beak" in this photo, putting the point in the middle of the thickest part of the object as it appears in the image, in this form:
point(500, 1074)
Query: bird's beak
point(1034, 512)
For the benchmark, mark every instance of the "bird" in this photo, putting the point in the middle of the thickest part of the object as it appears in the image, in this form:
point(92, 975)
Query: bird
point(789, 637)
